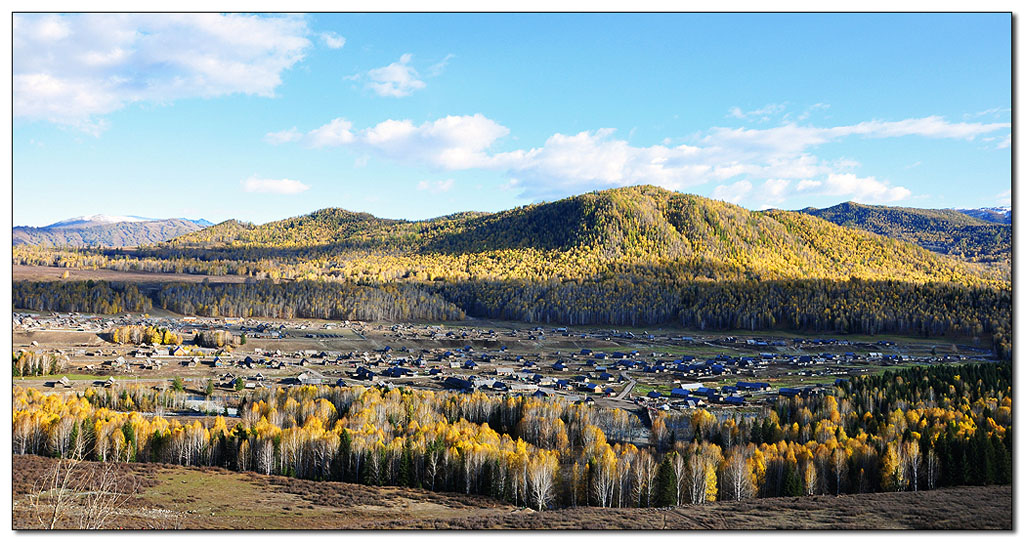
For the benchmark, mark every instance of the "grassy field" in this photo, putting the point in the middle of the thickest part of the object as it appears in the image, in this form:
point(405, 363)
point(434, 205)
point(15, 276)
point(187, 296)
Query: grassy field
point(47, 274)
point(70, 376)
point(169, 497)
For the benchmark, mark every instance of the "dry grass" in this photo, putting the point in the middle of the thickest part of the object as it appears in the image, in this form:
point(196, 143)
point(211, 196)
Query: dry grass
point(46, 274)
point(212, 498)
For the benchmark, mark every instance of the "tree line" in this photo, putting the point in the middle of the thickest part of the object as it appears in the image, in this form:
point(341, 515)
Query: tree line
point(89, 296)
point(854, 306)
point(952, 427)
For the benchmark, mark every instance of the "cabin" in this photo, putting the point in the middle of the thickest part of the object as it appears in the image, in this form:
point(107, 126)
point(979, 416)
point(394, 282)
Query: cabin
point(362, 373)
point(679, 392)
point(309, 379)
point(396, 372)
point(504, 371)
point(482, 382)
point(458, 383)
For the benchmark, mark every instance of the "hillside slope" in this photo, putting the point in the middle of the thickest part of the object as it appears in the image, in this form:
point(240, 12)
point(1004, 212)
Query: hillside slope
point(642, 229)
point(944, 231)
point(217, 234)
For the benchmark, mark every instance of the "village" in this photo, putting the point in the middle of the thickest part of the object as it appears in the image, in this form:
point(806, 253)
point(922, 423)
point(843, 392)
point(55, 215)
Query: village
point(633, 370)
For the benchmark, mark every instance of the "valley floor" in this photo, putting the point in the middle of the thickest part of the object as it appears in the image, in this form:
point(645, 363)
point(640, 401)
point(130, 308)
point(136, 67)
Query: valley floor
point(170, 497)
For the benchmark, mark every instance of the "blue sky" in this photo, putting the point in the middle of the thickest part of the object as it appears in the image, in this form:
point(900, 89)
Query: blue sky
point(415, 116)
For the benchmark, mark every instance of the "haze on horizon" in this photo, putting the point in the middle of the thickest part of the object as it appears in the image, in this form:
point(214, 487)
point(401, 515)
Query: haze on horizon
point(260, 118)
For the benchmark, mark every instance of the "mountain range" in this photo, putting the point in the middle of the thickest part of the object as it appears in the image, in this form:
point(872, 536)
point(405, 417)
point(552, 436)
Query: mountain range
point(106, 231)
point(946, 231)
point(634, 256)
point(996, 215)
point(640, 229)
point(635, 224)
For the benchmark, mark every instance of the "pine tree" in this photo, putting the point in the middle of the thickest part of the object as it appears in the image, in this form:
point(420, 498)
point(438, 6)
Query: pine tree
point(666, 484)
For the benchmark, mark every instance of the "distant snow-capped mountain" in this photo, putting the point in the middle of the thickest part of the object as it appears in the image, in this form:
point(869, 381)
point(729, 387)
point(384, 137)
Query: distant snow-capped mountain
point(80, 221)
point(997, 215)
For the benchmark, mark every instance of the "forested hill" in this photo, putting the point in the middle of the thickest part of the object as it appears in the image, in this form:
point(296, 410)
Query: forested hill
point(628, 256)
point(215, 235)
point(636, 230)
point(944, 231)
point(105, 234)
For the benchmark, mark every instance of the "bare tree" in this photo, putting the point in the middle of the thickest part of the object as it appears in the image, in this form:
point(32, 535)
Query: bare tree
point(106, 497)
point(432, 466)
point(679, 468)
point(541, 474)
point(932, 468)
point(736, 476)
point(839, 466)
point(912, 455)
point(87, 498)
point(698, 467)
point(645, 469)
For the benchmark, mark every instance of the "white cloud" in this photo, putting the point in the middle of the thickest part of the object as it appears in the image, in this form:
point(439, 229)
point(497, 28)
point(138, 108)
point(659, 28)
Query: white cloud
point(762, 114)
point(436, 69)
point(774, 192)
point(934, 126)
point(284, 136)
point(336, 132)
point(732, 193)
point(1004, 198)
point(332, 40)
point(807, 185)
point(781, 157)
point(397, 79)
point(995, 111)
point(859, 189)
point(273, 186)
point(793, 138)
point(816, 107)
point(451, 143)
point(436, 187)
point(71, 69)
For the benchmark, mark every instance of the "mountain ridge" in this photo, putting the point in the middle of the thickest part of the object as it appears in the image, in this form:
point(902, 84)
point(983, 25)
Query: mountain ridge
point(105, 231)
point(943, 231)
point(589, 234)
